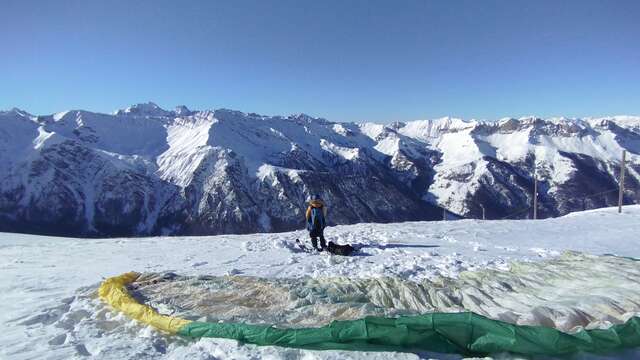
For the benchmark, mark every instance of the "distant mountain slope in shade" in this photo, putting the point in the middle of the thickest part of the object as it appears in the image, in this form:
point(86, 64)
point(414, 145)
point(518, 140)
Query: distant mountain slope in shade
point(148, 171)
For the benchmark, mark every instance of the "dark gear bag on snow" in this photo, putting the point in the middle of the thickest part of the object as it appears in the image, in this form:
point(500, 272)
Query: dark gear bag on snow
point(336, 249)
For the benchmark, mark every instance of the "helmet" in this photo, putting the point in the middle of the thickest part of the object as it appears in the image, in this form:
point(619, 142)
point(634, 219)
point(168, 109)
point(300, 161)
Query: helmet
point(316, 197)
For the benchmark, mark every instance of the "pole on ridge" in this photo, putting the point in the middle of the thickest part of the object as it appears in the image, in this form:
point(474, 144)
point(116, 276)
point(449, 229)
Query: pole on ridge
point(535, 192)
point(621, 185)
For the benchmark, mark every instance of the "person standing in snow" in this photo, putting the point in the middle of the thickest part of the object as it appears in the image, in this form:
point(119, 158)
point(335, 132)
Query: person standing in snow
point(316, 221)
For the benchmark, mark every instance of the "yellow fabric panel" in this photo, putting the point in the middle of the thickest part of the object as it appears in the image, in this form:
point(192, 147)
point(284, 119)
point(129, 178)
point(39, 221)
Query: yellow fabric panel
point(113, 291)
point(316, 203)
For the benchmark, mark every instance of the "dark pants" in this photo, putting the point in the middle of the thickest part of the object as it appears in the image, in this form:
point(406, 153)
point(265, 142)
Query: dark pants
point(315, 234)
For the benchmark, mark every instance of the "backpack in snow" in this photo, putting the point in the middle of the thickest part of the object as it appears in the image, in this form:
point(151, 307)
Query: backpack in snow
point(343, 250)
point(316, 222)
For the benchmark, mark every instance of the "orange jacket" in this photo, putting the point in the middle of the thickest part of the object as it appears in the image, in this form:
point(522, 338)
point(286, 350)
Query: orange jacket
point(316, 204)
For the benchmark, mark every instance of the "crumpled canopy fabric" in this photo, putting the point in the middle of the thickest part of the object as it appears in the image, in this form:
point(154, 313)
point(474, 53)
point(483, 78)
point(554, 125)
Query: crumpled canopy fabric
point(568, 293)
point(113, 291)
point(461, 332)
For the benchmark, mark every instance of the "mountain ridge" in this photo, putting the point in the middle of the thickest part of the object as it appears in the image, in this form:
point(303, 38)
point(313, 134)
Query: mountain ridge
point(144, 170)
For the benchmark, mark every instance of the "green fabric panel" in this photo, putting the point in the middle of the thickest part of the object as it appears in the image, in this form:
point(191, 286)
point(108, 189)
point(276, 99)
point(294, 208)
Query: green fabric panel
point(463, 333)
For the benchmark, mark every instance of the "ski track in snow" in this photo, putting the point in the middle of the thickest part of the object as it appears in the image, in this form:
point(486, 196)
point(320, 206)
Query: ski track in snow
point(50, 308)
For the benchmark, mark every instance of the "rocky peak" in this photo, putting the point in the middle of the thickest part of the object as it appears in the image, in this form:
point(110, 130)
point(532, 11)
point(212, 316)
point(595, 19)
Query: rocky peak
point(182, 110)
point(146, 109)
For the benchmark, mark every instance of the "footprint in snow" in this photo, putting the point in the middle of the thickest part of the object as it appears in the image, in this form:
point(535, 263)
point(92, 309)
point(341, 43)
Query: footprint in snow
point(449, 239)
point(233, 260)
point(199, 264)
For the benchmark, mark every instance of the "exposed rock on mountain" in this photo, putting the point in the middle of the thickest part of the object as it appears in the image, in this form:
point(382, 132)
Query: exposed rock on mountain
point(147, 171)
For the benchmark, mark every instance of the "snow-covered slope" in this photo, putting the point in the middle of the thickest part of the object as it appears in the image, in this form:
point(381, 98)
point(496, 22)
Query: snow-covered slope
point(492, 163)
point(148, 171)
point(50, 307)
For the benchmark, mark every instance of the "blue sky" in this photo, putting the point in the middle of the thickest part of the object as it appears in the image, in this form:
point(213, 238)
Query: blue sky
point(344, 60)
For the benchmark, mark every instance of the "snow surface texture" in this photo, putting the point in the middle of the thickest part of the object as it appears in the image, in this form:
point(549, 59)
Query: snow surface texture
point(148, 171)
point(51, 310)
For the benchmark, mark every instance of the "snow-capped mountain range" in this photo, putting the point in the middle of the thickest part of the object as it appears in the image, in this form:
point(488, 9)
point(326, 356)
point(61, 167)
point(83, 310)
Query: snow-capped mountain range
point(148, 171)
